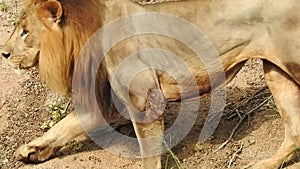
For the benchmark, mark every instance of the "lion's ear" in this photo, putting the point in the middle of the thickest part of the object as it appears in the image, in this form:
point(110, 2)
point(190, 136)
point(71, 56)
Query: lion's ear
point(50, 12)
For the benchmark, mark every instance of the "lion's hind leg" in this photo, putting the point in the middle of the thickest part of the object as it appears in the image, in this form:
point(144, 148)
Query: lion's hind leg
point(150, 137)
point(286, 95)
point(149, 128)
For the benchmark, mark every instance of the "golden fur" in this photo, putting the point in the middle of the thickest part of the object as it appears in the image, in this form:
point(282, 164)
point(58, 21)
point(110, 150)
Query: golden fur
point(56, 31)
point(63, 46)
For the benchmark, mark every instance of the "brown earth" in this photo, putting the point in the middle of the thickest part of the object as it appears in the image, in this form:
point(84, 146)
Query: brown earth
point(22, 111)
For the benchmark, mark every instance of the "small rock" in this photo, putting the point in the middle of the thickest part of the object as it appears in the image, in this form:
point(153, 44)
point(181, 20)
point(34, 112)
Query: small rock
point(5, 161)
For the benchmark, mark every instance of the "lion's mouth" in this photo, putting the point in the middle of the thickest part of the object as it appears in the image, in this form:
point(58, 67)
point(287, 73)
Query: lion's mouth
point(22, 63)
point(16, 66)
point(23, 67)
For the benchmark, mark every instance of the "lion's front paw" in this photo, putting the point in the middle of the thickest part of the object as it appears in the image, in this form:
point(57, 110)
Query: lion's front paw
point(29, 153)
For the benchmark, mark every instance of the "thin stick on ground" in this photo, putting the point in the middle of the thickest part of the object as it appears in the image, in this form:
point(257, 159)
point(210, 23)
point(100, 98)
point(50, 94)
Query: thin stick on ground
point(2, 105)
point(247, 101)
point(67, 106)
point(235, 155)
point(240, 122)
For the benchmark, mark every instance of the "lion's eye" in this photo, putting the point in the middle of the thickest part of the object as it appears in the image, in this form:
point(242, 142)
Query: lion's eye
point(24, 32)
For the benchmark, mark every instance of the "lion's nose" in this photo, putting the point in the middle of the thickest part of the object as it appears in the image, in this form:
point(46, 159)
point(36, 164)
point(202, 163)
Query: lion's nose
point(6, 54)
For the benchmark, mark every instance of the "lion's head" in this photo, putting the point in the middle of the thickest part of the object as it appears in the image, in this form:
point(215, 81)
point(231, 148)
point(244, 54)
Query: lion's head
point(22, 48)
point(51, 33)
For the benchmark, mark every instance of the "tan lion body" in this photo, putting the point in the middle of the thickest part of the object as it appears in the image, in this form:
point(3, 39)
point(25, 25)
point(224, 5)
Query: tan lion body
point(238, 29)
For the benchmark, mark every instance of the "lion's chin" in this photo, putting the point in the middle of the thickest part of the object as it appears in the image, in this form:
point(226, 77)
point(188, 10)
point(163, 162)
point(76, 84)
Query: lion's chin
point(18, 69)
point(20, 72)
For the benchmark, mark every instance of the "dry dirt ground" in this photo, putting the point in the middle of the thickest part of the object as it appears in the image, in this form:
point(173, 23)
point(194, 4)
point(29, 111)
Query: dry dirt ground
point(23, 110)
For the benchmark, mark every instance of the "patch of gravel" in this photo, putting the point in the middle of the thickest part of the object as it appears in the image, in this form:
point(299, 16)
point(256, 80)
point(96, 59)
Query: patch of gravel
point(27, 111)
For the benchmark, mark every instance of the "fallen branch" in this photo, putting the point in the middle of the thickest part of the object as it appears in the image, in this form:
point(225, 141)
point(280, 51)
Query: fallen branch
point(240, 122)
point(235, 156)
point(259, 106)
point(245, 102)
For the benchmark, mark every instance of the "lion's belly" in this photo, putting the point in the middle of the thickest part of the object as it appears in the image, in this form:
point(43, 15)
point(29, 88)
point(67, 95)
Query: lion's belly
point(185, 90)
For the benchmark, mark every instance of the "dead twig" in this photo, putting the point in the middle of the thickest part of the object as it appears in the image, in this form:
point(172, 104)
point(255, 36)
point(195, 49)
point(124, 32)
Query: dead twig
point(240, 122)
point(235, 156)
point(3, 103)
point(247, 166)
point(259, 106)
point(231, 134)
point(67, 106)
point(230, 116)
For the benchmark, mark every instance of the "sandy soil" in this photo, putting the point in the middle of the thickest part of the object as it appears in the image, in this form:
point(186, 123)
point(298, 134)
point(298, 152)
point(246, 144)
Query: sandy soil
point(23, 110)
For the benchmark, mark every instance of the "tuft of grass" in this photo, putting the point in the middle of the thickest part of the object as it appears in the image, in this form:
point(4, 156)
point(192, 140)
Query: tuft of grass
point(171, 156)
point(75, 145)
point(47, 125)
point(57, 112)
point(3, 7)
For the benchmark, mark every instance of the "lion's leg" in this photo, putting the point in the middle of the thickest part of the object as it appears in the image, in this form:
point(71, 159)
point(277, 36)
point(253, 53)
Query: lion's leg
point(150, 137)
point(149, 128)
point(42, 148)
point(286, 94)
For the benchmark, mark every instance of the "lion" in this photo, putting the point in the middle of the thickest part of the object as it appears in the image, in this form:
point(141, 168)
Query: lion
point(52, 33)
